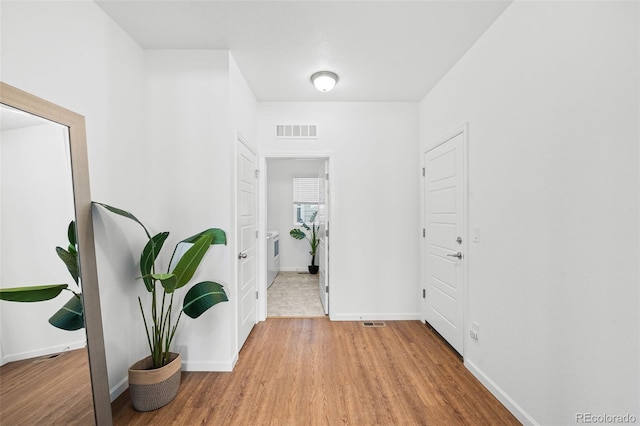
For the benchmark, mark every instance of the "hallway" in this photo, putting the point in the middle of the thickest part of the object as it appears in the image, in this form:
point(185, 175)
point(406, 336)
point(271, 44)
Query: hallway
point(313, 371)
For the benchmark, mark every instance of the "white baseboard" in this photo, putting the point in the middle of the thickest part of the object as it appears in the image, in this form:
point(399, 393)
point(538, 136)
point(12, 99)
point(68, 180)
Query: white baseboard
point(209, 365)
point(305, 269)
point(116, 391)
point(375, 317)
point(214, 366)
point(502, 396)
point(44, 351)
point(234, 361)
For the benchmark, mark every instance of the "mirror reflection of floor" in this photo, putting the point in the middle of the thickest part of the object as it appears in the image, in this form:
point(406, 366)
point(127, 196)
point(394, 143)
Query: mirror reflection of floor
point(294, 294)
point(50, 390)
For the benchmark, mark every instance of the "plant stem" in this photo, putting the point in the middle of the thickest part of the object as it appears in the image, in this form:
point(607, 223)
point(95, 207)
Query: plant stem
point(146, 327)
point(166, 330)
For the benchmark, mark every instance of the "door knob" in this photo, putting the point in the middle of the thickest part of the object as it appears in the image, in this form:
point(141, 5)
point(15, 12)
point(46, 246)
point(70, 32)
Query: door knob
point(242, 255)
point(458, 255)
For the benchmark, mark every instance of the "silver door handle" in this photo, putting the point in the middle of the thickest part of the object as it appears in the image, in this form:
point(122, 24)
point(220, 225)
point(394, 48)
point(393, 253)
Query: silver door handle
point(458, 255)
point(242, 255)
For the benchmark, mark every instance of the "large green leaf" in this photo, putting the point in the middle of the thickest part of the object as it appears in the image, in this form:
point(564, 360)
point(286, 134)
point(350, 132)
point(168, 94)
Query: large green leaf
point(70, 260)
point(148, 257)
point(297, 234)
point(219, 236)
point(69, 317)
point(203, 296)
point(71, 233)
point(190, 261)
point(168, 281)
point(123, 213)
point(36, 293)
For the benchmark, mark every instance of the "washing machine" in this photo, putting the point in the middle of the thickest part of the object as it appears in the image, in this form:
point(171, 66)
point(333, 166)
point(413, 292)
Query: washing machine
point(273, 256)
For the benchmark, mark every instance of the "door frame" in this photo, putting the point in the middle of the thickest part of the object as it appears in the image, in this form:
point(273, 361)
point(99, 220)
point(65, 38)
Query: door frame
point(323, 240)
point(262, 218)
point(463, 130)
point(239, 139)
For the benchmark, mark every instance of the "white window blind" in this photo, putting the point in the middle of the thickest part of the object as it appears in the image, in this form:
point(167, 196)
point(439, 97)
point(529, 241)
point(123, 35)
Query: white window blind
point(306, 190)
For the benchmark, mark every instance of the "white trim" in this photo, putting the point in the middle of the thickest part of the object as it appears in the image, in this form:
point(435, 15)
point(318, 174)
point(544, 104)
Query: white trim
point(500, 394)
point(463, 128)
point(294, 154)
point(377, 317)
point(210, 365)
point(234, 241)
point(293, 269)
point(65, 347)
point(262, 215)
point(119, 388)
point(246, 143)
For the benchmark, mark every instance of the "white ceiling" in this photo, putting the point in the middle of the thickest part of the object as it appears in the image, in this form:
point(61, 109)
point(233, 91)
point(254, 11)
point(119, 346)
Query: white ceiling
point(382, 50)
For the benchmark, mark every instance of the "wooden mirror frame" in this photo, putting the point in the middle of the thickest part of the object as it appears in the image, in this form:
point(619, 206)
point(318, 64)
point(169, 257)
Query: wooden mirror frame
point(24, 101)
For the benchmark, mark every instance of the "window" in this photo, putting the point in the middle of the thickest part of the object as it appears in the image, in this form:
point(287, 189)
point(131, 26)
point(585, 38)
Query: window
point(305, 199)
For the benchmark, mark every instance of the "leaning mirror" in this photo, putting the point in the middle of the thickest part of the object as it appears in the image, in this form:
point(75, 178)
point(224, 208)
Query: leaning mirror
point(52, 362)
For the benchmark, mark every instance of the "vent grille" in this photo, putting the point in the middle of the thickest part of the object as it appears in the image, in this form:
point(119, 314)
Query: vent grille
point(297, 131)
point(46, 358)
point(373, 324)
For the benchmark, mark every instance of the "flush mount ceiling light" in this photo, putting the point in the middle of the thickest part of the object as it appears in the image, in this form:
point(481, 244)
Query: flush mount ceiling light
point(324, 80)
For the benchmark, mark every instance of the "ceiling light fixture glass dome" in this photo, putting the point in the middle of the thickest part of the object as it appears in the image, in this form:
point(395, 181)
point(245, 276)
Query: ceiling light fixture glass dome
point(324, 81)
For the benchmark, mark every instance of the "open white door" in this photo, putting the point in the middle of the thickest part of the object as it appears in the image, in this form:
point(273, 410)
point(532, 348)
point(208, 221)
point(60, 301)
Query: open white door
point(444, 194)
point(246, 239)
point(323, 234)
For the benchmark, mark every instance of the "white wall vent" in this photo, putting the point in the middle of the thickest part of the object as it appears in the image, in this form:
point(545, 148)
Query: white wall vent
point(297, 131)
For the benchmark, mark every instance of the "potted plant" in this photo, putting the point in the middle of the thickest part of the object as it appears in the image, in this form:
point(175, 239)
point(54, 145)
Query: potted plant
point(154, 380)
point(70, 316)
point(312, 237)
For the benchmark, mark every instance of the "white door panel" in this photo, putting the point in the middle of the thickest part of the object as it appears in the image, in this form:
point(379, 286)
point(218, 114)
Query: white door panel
point(443, 209)
point(246, 237)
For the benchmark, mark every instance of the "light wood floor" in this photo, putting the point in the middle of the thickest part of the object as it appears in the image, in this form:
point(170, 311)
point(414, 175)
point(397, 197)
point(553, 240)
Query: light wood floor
point(295, 371)
point(47, 391)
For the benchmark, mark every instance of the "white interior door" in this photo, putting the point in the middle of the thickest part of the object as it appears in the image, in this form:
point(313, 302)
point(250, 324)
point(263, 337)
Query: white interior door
point(323, 233)
point(444, 246)
point(246, 240)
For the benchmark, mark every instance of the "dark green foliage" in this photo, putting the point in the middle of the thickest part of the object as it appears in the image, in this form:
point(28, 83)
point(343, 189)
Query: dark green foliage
point(37, 293)
point(160, 323)
point(70, 316)
point(201, 297)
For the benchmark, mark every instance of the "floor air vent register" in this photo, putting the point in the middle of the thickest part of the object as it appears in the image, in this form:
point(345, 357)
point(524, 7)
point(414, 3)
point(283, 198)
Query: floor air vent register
point(373, 324)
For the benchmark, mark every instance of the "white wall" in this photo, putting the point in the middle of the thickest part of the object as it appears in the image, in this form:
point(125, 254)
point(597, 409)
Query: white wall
point(72, 54)
point(243, 105)
point(374, 248)
point(188, 120)
point(196, 101)
point(243, 108)
point(551, 97)
point(294, 254)
point(37, 206)
point(160, 127)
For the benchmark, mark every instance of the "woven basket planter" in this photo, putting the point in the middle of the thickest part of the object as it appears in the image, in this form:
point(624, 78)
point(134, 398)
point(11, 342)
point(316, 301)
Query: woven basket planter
point(150, 388)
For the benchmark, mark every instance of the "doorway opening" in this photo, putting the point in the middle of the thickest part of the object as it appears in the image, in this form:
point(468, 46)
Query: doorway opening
point(295, 270)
